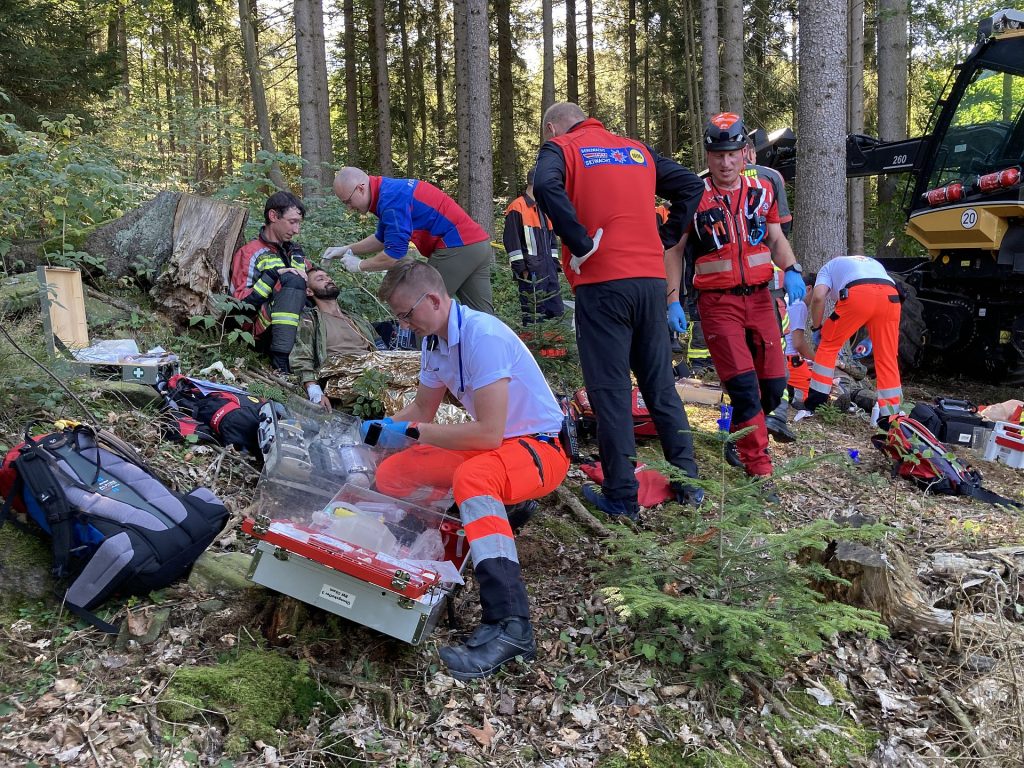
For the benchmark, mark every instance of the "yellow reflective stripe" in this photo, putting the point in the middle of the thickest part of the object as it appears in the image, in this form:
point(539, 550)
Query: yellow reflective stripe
point(262, 288)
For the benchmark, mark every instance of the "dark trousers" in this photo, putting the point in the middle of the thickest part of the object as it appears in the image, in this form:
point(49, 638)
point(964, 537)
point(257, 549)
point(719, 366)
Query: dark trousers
point(620, 326)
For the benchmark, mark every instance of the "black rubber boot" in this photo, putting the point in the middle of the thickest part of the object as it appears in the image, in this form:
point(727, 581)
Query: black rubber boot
point(490, 646)
point(519, 514)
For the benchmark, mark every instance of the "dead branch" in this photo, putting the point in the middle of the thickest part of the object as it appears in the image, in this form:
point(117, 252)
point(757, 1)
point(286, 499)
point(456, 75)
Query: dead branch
point(581, 513)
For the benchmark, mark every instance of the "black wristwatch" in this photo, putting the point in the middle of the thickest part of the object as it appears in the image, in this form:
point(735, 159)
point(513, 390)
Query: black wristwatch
point(795, 267)
point(815, 328)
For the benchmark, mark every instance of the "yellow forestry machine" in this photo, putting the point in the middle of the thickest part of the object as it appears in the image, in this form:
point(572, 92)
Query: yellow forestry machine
point(965, 306)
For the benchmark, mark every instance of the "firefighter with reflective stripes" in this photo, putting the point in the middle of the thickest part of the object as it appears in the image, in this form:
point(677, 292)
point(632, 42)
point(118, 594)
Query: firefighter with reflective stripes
point(510, 453)
point(737, 238)
point(532, 250)
point(864, 295)
point(269, 274)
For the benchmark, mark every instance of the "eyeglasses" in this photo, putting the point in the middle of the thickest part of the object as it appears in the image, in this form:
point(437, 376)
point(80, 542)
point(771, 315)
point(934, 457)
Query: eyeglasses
point(404, 317)
point(348, 200)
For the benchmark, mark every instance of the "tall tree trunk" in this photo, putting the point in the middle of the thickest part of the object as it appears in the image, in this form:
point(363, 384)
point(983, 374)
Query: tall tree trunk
point(460, 14)
point(351, 84)
point(855, 187)
point(892, 93)
point(387, 167)
point(410, 112)
point(712, 102)
point(572, 71)
point(198, 131)
point(165, 40)
point(441, 118)
point(693, 115)
point(481, 151)
point(821, 152)
point(506, 100)
point(420, 67)
point(732, 55)
point(591, 62)
point(323, 96)
point(310, 143)
point(258, 95)
point(646, 132)
point(547, 90)
point(631, 94)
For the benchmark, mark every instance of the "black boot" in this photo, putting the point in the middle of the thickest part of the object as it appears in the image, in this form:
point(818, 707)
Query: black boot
point(279, 362)
point(490, 646)
point(519, 514)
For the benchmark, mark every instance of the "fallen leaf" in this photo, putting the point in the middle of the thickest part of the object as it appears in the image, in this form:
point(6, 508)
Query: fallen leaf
point(139, 623)
point(483, 735)
point(66, 685)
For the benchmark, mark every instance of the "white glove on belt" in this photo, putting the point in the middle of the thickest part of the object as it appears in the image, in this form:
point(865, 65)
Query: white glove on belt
point(577, 261)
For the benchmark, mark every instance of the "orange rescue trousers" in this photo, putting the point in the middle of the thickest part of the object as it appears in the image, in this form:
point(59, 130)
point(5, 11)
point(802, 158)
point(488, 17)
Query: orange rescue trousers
point(521, 468)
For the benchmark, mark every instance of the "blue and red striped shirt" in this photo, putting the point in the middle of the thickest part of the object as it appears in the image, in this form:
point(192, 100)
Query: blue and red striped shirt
point(417, 211)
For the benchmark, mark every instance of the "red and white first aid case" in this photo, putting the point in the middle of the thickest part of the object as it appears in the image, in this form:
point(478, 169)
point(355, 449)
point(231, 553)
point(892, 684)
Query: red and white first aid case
point(327, 537)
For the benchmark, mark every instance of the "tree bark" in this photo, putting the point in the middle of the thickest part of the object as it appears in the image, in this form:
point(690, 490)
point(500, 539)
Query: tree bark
point(422, 44)
point(323, 95)
point(387, 167)
point(712, 97)
point(547, 90)
point(258, 95)
point(821, 151)
point(506, 100)
point(481, 150)
point(855, 187)
point(407, 101)
point(646, 130)
point(351, 84)
point(732, 55)
point(572, 73)
point(460, 16)
point(892, 91)
point(309, 97)
point(441, 116)
point(693, 116)
point(631, 62)
point(591, 63)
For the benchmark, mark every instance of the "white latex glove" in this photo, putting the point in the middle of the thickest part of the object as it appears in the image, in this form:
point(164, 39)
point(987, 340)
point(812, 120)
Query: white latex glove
point(577, 261)
point(351, 262)
point(334, 252)
point(315, 393)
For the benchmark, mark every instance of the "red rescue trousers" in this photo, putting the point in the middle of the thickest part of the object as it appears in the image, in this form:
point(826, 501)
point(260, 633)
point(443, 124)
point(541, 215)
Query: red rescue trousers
point(521, 468)
point(877, 306)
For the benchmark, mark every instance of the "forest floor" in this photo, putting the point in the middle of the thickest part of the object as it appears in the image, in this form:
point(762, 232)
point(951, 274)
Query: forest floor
point(291, 686)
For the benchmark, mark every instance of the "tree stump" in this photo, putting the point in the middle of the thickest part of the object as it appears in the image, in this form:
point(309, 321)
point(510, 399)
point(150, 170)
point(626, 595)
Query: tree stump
point(138, 243)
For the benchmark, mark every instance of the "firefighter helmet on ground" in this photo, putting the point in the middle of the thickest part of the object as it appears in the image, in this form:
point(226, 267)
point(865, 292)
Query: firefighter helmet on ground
point(725, 132)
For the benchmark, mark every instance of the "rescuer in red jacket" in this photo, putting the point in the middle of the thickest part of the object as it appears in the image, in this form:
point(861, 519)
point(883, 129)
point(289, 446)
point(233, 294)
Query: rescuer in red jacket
point(737, 236)
point(598, 189)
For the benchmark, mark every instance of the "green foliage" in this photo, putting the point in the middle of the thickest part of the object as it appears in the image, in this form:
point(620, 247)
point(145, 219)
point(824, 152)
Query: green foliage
point(56, 182)
point(740, 594)
point(46, 69)
point(254, 692)
point(370, 387)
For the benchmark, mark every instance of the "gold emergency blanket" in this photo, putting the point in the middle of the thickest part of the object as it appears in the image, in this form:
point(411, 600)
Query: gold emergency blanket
point(402, 369)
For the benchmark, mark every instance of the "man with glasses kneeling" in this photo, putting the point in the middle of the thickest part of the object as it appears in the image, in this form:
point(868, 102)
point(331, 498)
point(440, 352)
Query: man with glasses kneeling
point(508, 454)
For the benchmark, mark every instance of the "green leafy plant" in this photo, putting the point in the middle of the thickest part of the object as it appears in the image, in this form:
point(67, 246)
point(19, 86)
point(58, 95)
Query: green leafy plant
point(730, 595)
point(370, 387)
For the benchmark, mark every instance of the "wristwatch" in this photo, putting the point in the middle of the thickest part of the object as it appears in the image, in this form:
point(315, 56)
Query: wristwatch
point(795, 267)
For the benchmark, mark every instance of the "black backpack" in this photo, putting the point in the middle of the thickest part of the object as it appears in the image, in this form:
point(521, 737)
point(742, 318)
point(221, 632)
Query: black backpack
point(114, 526)
point(212, 412)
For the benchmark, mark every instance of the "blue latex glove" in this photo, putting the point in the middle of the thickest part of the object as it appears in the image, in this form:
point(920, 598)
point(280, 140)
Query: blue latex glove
point(676, 317)
point(392, 433)
point(795, 288)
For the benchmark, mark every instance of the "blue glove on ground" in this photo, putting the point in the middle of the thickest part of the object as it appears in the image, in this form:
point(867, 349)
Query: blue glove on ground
point(676, 317)
point(795, 288)
point(392, 434)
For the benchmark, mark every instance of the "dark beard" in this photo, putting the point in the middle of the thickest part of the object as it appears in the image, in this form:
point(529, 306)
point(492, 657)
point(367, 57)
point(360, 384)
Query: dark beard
point(326, 293)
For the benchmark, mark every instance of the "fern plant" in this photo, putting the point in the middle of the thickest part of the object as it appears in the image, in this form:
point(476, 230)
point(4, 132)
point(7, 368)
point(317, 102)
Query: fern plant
point(731, 595)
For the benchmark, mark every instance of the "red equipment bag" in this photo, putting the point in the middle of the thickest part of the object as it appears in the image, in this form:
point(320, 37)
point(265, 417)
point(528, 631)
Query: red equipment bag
point(643, 424)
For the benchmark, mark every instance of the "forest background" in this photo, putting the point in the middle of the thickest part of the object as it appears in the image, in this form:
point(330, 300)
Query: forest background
point(108, 102)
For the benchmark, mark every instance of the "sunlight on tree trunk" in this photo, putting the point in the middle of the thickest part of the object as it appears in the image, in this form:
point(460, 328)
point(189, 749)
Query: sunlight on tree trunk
point(731, 26)
point(855, 187)
point(258, 95)
point(712, 98)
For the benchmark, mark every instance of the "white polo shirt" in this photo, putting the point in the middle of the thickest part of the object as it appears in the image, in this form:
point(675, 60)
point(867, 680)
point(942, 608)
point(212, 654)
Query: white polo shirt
point(481, 350)
point(843, 270)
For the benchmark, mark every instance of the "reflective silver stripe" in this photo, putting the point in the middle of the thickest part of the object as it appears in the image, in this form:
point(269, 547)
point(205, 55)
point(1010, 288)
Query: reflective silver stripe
point(819, 386)
point(514, 256)
point(757, 259)
point(821, 370)
point(494, 545)
point(713, 267)
point(888, 394)
point(531, 240)
point(479, 507)
point(888, 410)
